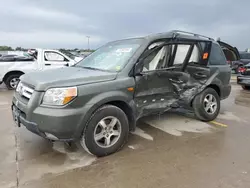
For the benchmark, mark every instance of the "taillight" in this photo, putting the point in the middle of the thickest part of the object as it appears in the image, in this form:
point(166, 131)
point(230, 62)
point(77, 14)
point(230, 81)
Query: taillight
point(242, 69)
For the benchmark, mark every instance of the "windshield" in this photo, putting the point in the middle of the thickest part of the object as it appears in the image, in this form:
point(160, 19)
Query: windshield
point(245, 55)
point(68, 53)
point(112, 56)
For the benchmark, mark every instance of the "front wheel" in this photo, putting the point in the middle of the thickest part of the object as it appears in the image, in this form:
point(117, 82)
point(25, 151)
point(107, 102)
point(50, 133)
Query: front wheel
point(12, 80)
point(206, 105)
point(106, 132)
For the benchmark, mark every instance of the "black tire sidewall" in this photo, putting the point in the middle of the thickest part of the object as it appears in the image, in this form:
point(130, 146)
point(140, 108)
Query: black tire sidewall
point(9, 78)
point(105, 111)
point(200, 110)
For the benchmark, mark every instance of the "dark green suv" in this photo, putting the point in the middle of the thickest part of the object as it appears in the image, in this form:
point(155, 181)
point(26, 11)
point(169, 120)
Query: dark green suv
point(99, 100)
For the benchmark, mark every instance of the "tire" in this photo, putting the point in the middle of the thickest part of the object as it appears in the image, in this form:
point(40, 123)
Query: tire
point(93, 128)
point(199, 105)
point(9, 81)
point(246, 87)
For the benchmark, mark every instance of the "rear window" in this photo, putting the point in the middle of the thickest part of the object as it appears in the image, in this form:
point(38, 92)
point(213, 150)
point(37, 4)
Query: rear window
point(230, 55)
point(217, 57)
point(245, 55)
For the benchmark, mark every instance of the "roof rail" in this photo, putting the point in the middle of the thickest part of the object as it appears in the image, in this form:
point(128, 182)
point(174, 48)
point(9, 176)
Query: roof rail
point(190, 33)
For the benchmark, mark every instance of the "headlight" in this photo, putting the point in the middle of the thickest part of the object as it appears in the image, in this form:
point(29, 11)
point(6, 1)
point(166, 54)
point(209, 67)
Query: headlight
point(19, 86)
point(59, 96)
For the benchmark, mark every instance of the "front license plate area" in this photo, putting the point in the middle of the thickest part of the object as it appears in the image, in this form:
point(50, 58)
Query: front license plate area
point(16, 115)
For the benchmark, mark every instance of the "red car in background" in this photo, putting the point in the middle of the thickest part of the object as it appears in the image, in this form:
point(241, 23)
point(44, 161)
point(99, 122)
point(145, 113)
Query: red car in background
point(238, 66)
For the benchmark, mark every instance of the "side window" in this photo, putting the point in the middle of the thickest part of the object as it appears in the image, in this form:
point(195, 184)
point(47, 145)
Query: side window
point(53, 56)
point(155, 60)
point(195, 56)
point(230, 55)
point(203, 46)
point(217, 56)
point(181, 53)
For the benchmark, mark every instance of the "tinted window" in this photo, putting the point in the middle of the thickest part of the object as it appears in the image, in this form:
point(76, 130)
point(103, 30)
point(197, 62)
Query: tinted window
point(230, 55)
point(217, 56)
point(245, 55)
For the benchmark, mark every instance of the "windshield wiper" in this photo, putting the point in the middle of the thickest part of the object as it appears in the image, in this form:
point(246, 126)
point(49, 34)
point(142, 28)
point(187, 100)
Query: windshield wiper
point(92, 68)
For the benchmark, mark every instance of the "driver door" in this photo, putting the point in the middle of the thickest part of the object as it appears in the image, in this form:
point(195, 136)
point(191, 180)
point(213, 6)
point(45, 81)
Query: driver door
point(154, 91)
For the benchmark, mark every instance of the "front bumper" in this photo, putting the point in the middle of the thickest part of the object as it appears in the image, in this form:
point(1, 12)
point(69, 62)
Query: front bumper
point(243, 80)
point(18, 117)
point(51, 123)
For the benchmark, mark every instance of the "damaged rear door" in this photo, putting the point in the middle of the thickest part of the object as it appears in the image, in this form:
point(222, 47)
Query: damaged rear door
point(190, 58)
point(170, 75)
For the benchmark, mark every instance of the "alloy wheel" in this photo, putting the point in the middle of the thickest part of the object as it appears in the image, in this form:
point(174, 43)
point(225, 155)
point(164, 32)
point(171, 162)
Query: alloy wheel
point(210, 104)
point(107, 132)
point(14, 82)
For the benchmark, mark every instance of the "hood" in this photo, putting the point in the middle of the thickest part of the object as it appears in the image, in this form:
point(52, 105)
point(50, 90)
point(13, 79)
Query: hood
point(66, 76)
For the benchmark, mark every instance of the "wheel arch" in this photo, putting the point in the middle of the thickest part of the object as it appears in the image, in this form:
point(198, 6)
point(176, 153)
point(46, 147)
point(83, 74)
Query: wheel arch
point(120, 101)
point(126, 108)
point(216, 88)
point(213, 86)
point(10, 73)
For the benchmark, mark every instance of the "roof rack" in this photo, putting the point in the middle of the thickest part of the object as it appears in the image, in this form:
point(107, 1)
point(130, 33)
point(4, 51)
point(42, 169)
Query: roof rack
point(176, 32)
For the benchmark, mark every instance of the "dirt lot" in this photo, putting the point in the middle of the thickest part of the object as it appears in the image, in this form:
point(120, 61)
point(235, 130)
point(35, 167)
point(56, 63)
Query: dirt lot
point(170, 150)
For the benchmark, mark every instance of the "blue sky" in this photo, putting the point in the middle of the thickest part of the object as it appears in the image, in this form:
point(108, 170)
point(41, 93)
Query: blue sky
point(66, 23)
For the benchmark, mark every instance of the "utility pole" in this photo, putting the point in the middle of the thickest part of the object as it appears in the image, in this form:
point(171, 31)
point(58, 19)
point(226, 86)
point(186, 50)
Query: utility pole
point(88, 42)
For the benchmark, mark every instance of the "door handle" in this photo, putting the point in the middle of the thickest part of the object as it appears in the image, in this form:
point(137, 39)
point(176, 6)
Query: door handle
point(176, 81)
point(48, 64)
point(201, 75)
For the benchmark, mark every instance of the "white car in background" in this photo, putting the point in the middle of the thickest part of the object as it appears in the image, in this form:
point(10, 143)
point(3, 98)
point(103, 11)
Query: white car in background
point(43, 59)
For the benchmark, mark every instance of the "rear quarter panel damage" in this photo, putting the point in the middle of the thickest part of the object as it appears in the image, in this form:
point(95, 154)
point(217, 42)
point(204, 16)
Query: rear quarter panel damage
point(182, 97)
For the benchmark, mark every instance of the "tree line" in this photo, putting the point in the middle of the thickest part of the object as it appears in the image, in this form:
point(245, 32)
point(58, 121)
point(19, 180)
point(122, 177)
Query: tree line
point(8, 48)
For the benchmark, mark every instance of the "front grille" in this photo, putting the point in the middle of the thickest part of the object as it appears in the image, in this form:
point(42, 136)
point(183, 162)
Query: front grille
point(27, 92)
point(24, 91)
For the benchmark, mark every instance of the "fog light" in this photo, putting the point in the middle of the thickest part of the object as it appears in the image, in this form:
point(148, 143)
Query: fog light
point(51, 136)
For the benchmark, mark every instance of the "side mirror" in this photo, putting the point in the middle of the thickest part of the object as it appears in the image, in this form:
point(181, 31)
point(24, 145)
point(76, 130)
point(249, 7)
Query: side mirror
point(138, 68)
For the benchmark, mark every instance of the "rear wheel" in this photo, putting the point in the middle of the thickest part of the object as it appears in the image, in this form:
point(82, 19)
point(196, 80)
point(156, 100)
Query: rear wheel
point(246, 87)
point(106, 132)
point(12, 80)
point(206, 105)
